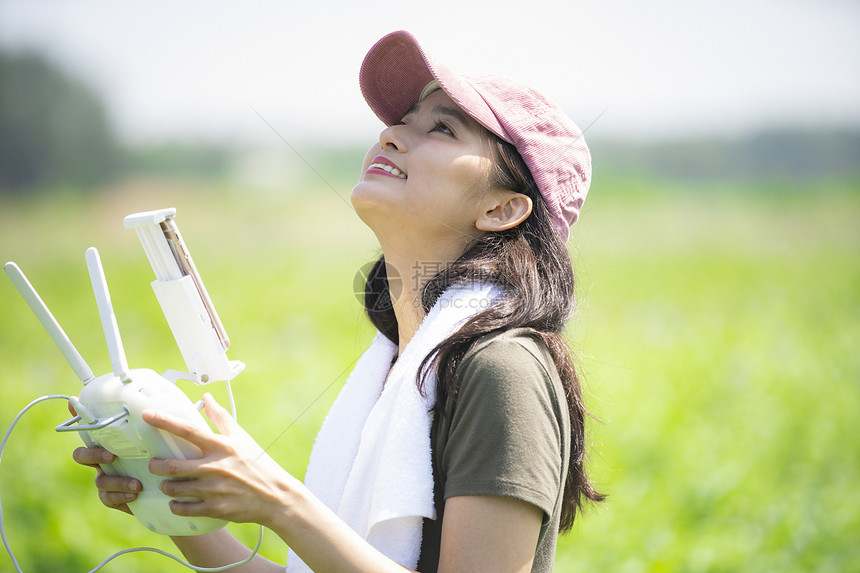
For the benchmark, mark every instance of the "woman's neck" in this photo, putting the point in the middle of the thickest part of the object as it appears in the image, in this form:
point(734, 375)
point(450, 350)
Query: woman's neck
point(406, 279)
point(407, 276)
point(410, 265)
point(410, 313)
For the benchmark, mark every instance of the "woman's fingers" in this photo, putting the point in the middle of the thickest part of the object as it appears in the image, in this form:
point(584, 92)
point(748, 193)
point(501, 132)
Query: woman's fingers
point(206, 498)
point(198, 497)
point(232, 478)
point(116, 491)
point(190, 488)
point(234, 439)
point(180, 428)
point(118, 484)
point(173, 468)
point(92, 456)
point(116, 500)
point(194, 509)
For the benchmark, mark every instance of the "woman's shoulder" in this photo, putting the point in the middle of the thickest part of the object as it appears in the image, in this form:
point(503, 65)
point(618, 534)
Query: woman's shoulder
point(507, 424)
point(513, 348)
point(510, 364)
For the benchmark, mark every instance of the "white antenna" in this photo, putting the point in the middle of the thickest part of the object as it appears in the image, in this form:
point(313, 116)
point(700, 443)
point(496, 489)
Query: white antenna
point(50, 324)
point(108, 318)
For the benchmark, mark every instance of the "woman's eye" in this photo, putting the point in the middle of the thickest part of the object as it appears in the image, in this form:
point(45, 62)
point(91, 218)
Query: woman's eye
point(442, 128)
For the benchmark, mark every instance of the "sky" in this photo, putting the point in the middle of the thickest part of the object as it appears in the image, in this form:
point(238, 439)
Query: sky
point(211, 69)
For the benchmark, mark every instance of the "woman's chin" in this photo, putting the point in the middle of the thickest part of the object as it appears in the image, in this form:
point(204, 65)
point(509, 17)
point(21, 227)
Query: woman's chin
point(388, 220)
point(370, 202)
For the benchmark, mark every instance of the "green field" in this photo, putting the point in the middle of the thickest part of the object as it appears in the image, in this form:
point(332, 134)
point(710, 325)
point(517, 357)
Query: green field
point(717, 331)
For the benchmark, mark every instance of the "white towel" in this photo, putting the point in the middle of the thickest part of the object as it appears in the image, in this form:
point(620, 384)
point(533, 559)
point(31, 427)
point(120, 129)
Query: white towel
point(371, 462)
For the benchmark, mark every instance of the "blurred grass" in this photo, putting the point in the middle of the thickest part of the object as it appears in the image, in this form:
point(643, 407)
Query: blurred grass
point(716, 331)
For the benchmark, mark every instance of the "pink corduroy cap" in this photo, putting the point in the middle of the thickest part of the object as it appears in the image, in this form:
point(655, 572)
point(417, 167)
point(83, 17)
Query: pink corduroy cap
point(396, 70)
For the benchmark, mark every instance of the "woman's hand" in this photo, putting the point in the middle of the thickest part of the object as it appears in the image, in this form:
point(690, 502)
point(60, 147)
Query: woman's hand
point(114, 491)
point(233, 480)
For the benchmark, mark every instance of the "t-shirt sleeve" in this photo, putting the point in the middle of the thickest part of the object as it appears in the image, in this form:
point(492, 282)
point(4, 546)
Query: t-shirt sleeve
point(505, 433)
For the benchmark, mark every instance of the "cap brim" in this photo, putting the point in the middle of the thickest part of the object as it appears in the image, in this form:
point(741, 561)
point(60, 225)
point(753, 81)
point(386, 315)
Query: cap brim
point(395, 71)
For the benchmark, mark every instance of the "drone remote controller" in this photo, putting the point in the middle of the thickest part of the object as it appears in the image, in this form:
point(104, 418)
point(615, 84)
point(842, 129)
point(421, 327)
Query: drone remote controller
point(109, 415)
point(110, 406)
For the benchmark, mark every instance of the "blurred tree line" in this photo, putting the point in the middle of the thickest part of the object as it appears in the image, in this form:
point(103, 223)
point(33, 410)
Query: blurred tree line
point(53, 128)
point(779, 154)
point(55, 132)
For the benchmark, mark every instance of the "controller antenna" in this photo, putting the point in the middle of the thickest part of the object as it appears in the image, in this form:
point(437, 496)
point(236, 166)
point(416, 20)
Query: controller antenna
point(49, 323)
point(107, 316)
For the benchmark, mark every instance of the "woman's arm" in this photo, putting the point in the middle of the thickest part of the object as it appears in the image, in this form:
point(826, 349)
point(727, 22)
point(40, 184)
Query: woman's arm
point(480, 532)
point(235, 480)
point(210, 550)
point(220, 548)
point(489, 533)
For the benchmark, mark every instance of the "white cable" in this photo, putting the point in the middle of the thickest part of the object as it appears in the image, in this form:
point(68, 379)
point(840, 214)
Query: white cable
point(180, 561)
point(124, 551)
point(232, 401)
point(3, 447)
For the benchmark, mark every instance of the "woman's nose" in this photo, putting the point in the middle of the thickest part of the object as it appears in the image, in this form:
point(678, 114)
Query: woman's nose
point(392, 137)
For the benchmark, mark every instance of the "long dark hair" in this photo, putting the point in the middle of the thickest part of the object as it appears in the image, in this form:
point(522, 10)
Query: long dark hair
point(532, 264)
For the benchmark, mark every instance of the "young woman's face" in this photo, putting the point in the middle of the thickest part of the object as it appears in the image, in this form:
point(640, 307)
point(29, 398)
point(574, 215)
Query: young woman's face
point(423, 180)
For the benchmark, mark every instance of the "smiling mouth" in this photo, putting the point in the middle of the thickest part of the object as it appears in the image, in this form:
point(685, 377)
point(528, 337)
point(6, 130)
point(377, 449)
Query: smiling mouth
point(388, 169)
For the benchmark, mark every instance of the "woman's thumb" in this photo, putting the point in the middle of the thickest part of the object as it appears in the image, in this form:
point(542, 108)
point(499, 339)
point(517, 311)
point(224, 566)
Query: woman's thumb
point(220, 417)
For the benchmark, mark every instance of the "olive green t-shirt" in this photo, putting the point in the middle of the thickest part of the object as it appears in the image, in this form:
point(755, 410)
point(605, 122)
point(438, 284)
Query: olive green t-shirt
point(505, 433)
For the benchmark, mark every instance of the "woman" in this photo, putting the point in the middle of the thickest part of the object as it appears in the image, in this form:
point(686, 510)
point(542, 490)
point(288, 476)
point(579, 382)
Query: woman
point(457, 443)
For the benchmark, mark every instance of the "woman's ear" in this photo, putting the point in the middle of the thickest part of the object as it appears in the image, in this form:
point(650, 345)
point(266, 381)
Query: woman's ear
point(509, 210)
